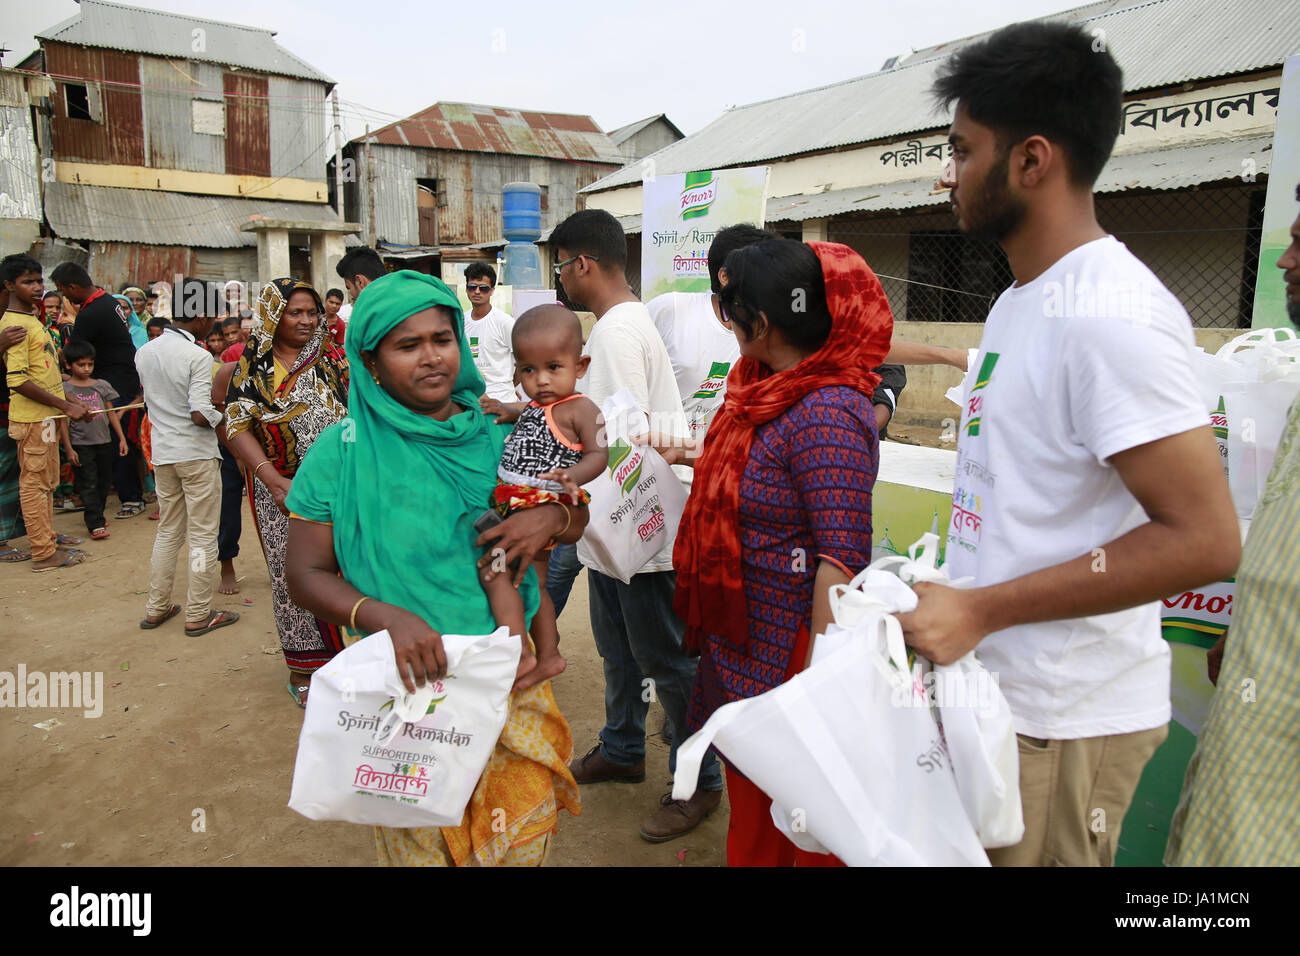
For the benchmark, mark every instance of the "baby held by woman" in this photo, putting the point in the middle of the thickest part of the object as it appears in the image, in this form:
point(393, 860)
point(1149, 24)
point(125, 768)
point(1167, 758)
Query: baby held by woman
point(553, 449)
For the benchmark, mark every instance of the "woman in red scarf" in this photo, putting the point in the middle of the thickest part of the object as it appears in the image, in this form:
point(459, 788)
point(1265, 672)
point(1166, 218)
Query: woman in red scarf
point(780, 508)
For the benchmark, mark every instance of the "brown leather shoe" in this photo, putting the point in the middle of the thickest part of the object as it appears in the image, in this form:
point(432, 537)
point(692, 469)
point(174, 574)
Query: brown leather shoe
point(592, 767)
point(676, 817)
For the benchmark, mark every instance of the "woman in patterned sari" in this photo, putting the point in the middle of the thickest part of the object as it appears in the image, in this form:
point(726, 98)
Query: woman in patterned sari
point(291, 384)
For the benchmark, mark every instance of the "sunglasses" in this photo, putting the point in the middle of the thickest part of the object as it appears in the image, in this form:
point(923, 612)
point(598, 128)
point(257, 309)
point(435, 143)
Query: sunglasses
point(475, 287)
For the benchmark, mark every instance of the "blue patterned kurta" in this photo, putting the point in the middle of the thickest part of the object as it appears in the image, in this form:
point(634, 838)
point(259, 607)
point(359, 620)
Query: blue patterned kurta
point(806, 491)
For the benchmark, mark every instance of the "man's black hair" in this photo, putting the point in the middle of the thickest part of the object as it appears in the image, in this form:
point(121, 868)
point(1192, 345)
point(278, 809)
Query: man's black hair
point(232, 321)
point(594, 233)
point(334, 294)
point(69, 273)
point(14, 267)
point(1047, 79)
point(481, 270)
point(361, 261)
point(766, 277)
point(728, 241)
point(78, 349)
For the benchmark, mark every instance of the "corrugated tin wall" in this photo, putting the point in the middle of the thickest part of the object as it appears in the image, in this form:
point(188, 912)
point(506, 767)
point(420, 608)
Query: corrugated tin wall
point(169, 119)
point(119, 136)
point(299, 144)
point(222, 265)
point(115, 264)
point(248, 139)
point(20, 171)
point(469, 188)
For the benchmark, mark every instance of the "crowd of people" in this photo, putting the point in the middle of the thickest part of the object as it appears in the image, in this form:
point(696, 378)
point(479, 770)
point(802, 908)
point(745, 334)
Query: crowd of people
point(370, 442)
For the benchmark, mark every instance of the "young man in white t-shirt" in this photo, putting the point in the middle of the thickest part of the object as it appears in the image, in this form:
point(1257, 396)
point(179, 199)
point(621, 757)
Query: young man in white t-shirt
point(638, 635)
point(488, 330)
point(1088, 482)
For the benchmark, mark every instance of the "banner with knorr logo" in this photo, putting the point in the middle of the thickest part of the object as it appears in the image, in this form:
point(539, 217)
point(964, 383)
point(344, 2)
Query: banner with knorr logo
point(680, 215)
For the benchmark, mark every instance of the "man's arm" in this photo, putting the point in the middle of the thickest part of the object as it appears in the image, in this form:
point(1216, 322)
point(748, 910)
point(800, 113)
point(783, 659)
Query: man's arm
point(915, 353)
point(202, 412)
point(1192, 539)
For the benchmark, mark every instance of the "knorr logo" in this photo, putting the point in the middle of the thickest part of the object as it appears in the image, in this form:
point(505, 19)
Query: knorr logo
point(698, 194)
point(624, 465)
point(716, 380)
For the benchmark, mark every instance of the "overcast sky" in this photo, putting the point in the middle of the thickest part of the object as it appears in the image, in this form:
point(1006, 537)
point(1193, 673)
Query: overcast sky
point(617, 62)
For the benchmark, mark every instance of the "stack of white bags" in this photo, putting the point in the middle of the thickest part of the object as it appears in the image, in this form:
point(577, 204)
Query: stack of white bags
point(879, 760)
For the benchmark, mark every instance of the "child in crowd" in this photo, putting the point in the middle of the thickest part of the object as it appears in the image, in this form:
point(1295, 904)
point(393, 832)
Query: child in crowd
point(90, 447)
point(216, 343)
point(154, 327)
point(36, 395)
point(553, 449)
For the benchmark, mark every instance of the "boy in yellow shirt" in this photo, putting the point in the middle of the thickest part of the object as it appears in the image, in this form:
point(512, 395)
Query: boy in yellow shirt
point(36, 396)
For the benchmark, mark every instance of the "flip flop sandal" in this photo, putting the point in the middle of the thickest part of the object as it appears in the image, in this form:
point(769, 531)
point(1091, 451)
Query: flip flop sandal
point(13, 556)
point(155, 516)
point(69, 559)
point(299, 693)
point(99, 534)
point(67, 539)
point(214, 622)
point(129, 511)
point(149, 625)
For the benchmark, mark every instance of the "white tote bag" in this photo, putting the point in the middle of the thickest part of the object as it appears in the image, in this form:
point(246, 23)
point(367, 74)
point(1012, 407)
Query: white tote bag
point(972, 712)
point(849, 753)
point(636, 502)
point(371, 753)
point(1255, 377)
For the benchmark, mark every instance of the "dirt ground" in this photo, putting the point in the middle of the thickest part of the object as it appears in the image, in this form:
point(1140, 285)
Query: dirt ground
point(206, 724)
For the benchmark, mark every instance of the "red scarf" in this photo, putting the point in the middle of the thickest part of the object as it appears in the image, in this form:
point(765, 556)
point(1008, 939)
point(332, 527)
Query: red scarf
point(710, 594)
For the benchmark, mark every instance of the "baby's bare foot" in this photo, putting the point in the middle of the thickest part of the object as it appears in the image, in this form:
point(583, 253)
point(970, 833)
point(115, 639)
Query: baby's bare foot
point(547, 666)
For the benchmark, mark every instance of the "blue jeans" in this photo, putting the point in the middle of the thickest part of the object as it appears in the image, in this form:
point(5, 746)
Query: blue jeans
point(561, 572)
point(639, 639)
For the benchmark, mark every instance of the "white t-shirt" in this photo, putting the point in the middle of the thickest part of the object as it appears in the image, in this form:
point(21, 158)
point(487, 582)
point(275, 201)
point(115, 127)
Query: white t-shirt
point(1091, 358)
point(701, 349)
point(627, 352)
point(489, 343)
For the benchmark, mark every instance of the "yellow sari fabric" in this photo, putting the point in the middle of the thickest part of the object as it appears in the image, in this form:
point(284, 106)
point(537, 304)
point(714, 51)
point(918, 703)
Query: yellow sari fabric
point(514, 810)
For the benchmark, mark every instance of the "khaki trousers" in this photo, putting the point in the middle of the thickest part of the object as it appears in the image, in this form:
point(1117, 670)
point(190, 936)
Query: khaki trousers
point(189, 503)
point(38, 475)
point(1075, 794)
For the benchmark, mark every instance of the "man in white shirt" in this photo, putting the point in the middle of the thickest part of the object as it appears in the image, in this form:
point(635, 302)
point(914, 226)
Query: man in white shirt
point(488, 330)
point(176, 376)
point(638, 635)
point(700, 343)
point(1088, 481)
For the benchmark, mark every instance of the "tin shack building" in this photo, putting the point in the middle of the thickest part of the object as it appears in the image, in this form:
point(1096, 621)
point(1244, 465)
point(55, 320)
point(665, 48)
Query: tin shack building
point(167, 133)
point(434, 179)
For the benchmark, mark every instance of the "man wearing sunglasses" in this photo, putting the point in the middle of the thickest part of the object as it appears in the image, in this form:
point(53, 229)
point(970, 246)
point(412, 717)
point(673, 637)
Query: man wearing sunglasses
point(488, 330)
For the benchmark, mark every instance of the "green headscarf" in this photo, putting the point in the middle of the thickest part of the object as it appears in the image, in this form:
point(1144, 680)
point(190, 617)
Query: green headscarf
point(409, 487)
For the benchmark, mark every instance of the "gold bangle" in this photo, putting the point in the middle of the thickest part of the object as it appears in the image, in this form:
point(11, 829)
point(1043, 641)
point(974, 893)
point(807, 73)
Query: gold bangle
point(353, 617)
point(265, 461)
point(568, 520)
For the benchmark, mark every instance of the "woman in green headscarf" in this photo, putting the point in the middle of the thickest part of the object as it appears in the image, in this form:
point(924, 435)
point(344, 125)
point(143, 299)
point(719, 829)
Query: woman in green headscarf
point(382, 537)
